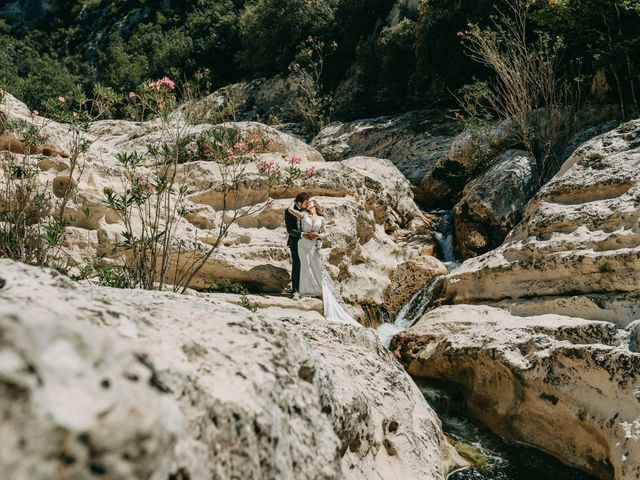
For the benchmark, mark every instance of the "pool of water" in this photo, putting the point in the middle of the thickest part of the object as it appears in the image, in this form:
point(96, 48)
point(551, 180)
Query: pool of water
point(502, 460)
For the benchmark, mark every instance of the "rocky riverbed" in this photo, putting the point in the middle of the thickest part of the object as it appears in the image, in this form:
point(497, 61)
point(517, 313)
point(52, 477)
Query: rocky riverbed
point(536, 326)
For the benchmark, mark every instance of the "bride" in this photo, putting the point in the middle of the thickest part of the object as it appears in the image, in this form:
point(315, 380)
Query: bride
point(314, 278)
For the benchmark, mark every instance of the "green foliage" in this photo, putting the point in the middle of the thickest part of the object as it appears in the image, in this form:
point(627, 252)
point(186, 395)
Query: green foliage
point(248, 304)
point(415, 63)
point(310, 104)
point(387, 63)
point(442, 67)
point(36, 77)
point(272, 30)
point(227, 286)
point(600, 35)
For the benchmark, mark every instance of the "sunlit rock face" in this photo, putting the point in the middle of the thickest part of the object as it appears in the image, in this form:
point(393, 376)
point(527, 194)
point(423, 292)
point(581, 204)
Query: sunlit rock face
point(139, 384)
point(413, 141)
point(579, 234)
point(565, 385)
point(373, 224)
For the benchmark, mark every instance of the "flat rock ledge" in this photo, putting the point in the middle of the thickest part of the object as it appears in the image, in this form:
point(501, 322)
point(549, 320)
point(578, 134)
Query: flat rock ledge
point(568, 386)
point(105, 383)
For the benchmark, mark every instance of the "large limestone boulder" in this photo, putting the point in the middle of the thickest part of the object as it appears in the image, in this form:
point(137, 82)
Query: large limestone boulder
point(525, 377)
point(493, 203)
point(282, 395)
point(469, 154)
point(75, 401)
point(270, 99)
point(578, 235)
point(413, 141)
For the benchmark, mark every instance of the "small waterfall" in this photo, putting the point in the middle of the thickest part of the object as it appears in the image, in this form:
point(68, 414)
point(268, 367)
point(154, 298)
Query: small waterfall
point(375, 316)
point(411, 311)
point(444, 237)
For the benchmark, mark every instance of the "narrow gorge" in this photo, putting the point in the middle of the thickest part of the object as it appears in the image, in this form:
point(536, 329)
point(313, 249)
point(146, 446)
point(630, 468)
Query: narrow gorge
point(488, 246)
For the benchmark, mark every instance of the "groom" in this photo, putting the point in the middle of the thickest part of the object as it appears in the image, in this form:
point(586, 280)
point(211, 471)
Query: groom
point(291, 222)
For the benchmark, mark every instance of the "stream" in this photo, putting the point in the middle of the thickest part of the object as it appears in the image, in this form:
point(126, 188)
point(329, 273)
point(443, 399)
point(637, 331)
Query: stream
point(496, 458)
point(501, 460)
point(420, 302)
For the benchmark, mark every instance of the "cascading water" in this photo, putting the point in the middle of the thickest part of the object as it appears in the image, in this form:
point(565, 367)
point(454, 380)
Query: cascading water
point(375, 316)
point(444, 237)
point(411, 311)
point(423, 298)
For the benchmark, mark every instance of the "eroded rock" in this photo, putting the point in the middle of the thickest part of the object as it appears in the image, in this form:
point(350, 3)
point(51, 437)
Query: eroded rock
point(468, 155)
point(373, 227)
point(413, 141)
point(492, 203)
point(525, 376)
point(579, 234)
point(75, 401)
point(278, 396)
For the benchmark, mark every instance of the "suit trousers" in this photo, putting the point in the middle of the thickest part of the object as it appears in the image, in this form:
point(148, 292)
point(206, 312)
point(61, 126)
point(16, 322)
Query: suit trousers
point(295, 270)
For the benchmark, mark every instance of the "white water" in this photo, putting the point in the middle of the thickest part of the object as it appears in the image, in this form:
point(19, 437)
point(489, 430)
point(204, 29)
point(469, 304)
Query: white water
point(444, 237)
point(410, 311)
point(422, 299)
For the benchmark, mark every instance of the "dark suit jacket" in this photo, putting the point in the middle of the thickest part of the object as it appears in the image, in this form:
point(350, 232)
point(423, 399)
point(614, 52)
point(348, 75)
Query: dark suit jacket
point(291, 222)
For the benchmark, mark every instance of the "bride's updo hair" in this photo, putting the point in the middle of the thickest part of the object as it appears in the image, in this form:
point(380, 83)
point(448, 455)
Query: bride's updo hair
point(319, 211)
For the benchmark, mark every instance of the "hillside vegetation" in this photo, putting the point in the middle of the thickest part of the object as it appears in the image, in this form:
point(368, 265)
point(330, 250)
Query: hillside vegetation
point(397, 56)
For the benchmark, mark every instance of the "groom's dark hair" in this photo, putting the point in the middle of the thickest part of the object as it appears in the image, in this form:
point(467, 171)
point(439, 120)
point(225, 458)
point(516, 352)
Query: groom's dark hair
point(301, 197)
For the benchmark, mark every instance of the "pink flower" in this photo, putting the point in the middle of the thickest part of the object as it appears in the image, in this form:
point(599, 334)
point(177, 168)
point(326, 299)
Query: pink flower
point(61, 99)
point(132, 95)
point(165, 81)
point(239, 146)
point(295, 160)
point(34, 114)
point(310, 172)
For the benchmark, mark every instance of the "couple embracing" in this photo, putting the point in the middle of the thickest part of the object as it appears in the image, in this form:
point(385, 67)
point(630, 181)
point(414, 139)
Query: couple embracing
point(309, 278)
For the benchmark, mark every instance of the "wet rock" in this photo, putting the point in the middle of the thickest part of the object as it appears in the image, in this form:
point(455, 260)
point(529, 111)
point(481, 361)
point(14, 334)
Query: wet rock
point(409, 278)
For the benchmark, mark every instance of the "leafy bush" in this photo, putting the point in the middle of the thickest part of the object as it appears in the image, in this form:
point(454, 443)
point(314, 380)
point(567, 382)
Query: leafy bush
point(33, 223)
point(602, 35)
point(386, 65)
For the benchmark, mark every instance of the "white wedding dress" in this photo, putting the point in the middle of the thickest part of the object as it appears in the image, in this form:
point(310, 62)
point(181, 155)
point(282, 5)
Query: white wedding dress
point(314, 278)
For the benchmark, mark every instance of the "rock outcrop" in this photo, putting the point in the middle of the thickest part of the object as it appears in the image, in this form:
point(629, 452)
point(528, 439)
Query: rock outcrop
point(526, 376)
point(268, 99)
point(250, 396)
point(468, 155)
point(409, 278)
point(492, 203)
point(373, 223)
point(413, 141)
point(579, 234)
